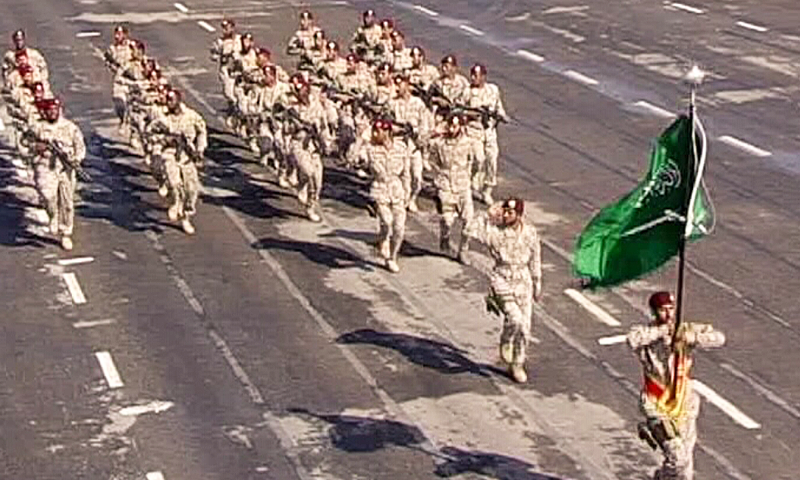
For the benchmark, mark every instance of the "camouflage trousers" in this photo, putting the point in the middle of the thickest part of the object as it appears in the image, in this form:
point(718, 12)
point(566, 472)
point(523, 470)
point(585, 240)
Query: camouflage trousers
point(184, 183)
point(391, 226)
point(119, 95)
point(678, 451)
point(415, 179)
point(56, 188)
point(454, 205)
point(485, 152)
point(228, 84)
point(514, 292)
point(309, 173)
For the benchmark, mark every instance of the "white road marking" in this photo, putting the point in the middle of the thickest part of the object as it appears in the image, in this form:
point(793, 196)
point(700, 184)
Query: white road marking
point(687, 8)
point(530, 55)
point(613, 340)
point(75, 261)
point(654, 109)
point(181, 7)
point(156, 406)
point(552, 10)
point(74, 288)
point(87, 34)
point(764, 391)
point(742, 145)
point(109, 370)
point(471, 30)
point(726, 406)
point(2, 125)
point(592, 307)
point(750, 26)
point(579, 77)
point(154, 476)
point(94, 323)
point(206, 26)
point(426, 11)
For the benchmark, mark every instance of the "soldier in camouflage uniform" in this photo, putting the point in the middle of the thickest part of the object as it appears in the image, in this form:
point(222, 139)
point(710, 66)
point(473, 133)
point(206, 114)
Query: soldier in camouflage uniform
point(410, 112)
point(184, 146)
point(333, 66)
point(153, 143)
point(452, 166)
point(668, 401)
point(422, 73)
point(23, 54)
point(17, 77)
point(383, 52)
point(516, 279)
point(268, 94)
point(482, 129)
point(117, 57)
point(54, 175)
point(367, 37)
point(452, 84)
point(303, 132)
point(354, 82)
point(386, 157)
point(222, 52)
point(401, 55)
point(303, 38)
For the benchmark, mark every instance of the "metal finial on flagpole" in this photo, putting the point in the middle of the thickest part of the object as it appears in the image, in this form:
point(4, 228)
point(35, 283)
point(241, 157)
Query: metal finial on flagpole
point(694, 77)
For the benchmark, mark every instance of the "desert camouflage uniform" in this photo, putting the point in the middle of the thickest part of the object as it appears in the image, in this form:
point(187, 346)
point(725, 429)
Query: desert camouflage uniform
point(55, 181)
point(305, 155)
point(15, 81)
point(485, 149)
point(222, 52)
point(354, 122)
point(402, 60)
point(517, 271)
point(454, 89)
point(412, 111)
point(424, 75)
point(371, 39)
point(302, 40)
point(672, 422)
point(451, 161)
point(269, 130)
point(120, 57)
point(35, 60)
point(389, 165)
point(135, 82)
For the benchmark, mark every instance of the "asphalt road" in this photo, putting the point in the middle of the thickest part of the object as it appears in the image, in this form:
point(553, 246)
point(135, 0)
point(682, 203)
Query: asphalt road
point(267, 347)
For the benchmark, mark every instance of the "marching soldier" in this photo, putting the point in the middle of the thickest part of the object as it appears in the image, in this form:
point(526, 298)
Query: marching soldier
point(17, 78)
point(422, 73)
point(303, 38)
point(401, 55)
point(451, 162)
point(516, 279)
point(387, 158)
point(333, 66)
point(384, 89)
point(312, 58)
point(222, 52)
point(23, 54)
point(367, 36)
point(482, 128)
point(384, 49)
point(410, 112)
point(184, 146)
point(270, 93)
point(453, 85)
point(264, 59)
point(117, 57)
point(59, 149)
point(303, 130)
point(668, 400)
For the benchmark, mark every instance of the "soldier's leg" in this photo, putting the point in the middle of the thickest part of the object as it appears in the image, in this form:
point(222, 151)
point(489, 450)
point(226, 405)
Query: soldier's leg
point(416, 179)
point(521, 340)
point(399, 213)
point(478, 161)
point(466, 211)
point(175, 185)
point(314, 185)
point(385, 217)
point(513, 336)
point(492, 150)
point(447, 212)
point(66, 203)
point(46, 182)
point(191, 183)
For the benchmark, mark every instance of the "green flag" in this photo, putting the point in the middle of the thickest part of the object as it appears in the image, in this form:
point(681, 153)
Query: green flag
point(643, 230)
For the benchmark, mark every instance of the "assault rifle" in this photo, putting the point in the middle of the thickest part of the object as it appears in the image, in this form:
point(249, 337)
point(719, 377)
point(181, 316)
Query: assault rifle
point(313, 132)
point(58, 151)
point(179, 139)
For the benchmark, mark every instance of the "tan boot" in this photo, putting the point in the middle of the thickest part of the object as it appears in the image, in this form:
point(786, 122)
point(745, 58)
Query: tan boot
point(517, 372)
point(187, 226)
point(507, 353)
point(66, 243)
point(392, 266)
point(172, 212)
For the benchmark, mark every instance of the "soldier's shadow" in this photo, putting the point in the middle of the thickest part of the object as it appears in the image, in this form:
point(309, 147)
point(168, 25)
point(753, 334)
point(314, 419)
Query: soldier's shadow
point(327, 255)
point(361, 434)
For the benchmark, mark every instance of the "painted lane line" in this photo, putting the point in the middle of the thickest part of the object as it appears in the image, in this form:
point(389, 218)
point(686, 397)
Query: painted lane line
point(87, 34)
point(109, 370)
point(613, 340)
point(579, 77)
point(726, 406)
point(654, 109)
point(592, 307)
point(181, 7)
point(471, 30)
point(751, 26)
point(426, 11)
point(530, 56)
point(152, 407)
point(763, 390)
point(206, 26)
point(94, 323)
point(154, 476)
point(75, 261)
point(74, 288)
point(742, 145)
point(687, 8)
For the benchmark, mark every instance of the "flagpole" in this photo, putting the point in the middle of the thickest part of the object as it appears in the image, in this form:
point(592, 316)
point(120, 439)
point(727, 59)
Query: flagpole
point(694, 77)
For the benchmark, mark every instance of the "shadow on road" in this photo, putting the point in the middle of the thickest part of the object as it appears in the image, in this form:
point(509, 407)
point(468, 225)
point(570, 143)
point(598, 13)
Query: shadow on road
point(355, 434)
point(326, 255)
point(442, 357)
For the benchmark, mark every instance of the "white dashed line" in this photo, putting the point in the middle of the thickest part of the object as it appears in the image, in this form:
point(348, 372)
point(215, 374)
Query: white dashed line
point(181, 7)
point(152, 407)
point(742, 145)
point(75, 261)
point(471, 30)
point(109, 370)
point(154, 476)
point(579, 77)
point(206, 26)
point(592, 307)
point(530, 56)
point(94, 323)
point(726, 406)
point(87, 34)
point(613, 340)
point(654, 109)
point(750, 26)
point(74, 288)
point(687, 8)
point(426, 11)
point(764, 391)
